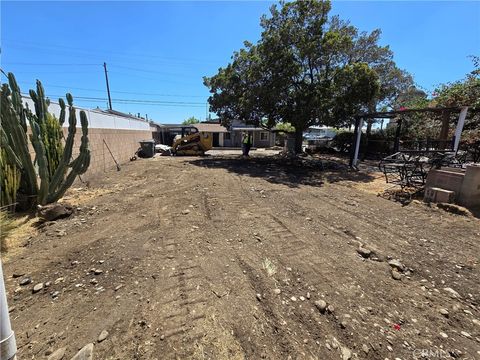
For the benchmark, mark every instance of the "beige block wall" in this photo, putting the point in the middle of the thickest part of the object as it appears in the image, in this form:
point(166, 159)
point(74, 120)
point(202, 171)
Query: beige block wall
point(122, 143)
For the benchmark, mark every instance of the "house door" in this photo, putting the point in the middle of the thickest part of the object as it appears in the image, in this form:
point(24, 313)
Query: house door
point(216, 141)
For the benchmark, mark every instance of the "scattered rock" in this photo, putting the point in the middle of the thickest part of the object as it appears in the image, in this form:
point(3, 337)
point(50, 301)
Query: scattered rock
point(466, 334)
point(444, 312)
point(277, 291)
point(55, 294)
point(17, 274)
point(321, 305)
point(330, 309)
point(452, 293)
point(94, 281)
point(54, 211)
point(396, 275)
point(443, 335)
point(185, 212)
point(308, 296)
point(259, 297)
point(396, 264)
point(346, 353)
point(61, 232)
point(455, 209)
point(37, 288)
point(365, 348)
point(293, 298)
point(103, 335)
point(86, 353)
point(58, 354)
point(118, 287)
point(365, 253)
point(308, 219)
point(25, 281)
point(98, 271)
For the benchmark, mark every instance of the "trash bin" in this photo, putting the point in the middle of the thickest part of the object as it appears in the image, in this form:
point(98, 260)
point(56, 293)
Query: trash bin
point(148, 148)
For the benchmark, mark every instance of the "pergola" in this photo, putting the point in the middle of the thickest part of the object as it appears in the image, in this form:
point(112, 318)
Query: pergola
point(359, 120)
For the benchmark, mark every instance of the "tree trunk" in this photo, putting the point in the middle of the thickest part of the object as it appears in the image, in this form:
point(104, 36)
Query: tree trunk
point(369, 127)
point(298, 140)
point(445, 128)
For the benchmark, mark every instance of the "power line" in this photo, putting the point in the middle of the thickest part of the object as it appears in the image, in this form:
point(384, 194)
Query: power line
point(138, 100)
point(48, 64)
point(127, 102)
point(61, 48)
point(115, 91)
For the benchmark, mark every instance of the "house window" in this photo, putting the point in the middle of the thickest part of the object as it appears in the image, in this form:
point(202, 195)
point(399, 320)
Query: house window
point(264, 136)
point(226, 136)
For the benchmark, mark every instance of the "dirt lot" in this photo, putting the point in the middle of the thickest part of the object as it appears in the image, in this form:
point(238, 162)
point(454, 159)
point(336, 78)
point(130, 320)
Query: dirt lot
point(224, 258)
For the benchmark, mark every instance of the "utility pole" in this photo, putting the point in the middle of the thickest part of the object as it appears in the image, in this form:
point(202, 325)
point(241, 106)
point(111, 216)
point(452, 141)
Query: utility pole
point(108, 87)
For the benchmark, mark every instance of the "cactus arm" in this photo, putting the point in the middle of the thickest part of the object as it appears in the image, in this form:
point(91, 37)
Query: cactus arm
point(16, 130)
point(61, 120)
point(8, 149)
point(41, 159)
point(79, 165)
point(59, 174)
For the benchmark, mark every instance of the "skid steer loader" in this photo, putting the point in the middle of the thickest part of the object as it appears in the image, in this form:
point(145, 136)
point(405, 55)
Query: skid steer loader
point(186, 140)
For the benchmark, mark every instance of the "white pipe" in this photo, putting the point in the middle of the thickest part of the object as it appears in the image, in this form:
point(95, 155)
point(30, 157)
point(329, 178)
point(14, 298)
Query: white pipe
point(357, 143)
point(459, 129)
point(8, 346)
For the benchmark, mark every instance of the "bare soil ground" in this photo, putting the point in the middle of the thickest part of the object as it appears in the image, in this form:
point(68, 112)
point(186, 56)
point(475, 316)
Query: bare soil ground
point(224, 258)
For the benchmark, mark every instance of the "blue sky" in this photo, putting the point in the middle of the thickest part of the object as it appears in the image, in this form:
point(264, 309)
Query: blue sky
point(159, 51)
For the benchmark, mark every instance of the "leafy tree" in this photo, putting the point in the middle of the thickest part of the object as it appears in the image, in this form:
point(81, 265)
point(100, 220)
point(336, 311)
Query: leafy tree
point(285, 127)
point(190, 120)
point(306, 69)
point(465, 92)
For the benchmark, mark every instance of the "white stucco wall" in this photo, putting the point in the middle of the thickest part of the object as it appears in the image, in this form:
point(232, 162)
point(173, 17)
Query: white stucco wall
point(97, 119)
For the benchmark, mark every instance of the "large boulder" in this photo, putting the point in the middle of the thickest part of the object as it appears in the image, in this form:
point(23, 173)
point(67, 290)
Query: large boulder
point(54, 211)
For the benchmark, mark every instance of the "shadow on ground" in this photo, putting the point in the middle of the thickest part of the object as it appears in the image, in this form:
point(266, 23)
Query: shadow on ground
point(290, 172)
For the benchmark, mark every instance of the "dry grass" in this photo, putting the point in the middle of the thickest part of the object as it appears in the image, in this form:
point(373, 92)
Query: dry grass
point(80, 195)
point(7, 224)
point(217, 342)
point(19, 229)
point(269, 267)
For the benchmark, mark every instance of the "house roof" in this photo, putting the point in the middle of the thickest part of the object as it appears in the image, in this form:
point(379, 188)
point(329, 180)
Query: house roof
point(210, 127)
point(248, 128)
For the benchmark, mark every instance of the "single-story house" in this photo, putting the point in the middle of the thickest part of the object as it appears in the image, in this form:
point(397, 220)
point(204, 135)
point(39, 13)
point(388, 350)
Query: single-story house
point(221, 135)
point(218, 132)
point(232, 136)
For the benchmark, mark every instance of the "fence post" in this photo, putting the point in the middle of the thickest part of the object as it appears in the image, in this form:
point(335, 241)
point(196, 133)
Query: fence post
point(8, 346)
point(396, 144)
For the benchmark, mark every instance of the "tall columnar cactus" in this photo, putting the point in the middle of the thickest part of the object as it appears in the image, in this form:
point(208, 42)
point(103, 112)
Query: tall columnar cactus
point(14, 135)
point(56, 171)
point(9, 179)
point(50, 129)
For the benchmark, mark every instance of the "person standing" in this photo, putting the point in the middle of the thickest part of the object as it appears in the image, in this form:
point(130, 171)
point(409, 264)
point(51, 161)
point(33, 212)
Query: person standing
point(246, 143)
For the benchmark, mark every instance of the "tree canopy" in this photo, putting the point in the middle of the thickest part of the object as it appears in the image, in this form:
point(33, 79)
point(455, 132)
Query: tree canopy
point(306, 69)
point(464, 92)
point(190, 120)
